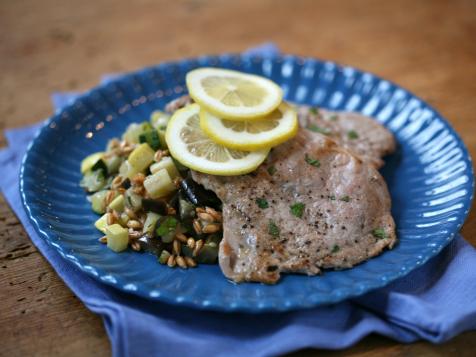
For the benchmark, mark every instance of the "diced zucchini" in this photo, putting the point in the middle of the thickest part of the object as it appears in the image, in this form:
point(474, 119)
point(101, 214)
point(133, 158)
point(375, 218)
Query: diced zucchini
point(150, 223)
point(152, 138)
point(93, 181)
point(113, 163)
point(141, 157)
point(164, 257)
point(90, 161)
point(101, 223)
point(165, 163)
point(159, 120)
point(126, 170)
point(98, 201)
point(163, 143)
point(133, 200)
point(123, 219)
point(117, 237)
point(159, 184)
point(208, 254)
point(186, 210)
point(117, 204)
point(167, 229)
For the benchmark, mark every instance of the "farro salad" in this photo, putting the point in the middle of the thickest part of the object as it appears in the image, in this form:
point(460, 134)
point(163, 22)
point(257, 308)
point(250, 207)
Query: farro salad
point(148, 201)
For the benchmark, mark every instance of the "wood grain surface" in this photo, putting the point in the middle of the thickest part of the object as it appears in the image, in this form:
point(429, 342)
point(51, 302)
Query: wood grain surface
point(427, 47)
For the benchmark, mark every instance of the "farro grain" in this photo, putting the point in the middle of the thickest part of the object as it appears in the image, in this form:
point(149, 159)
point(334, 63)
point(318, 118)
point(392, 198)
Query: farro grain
point(198, 247)
point(211, 228)
point(190, 262)
point(181, 262)
point(171, 261)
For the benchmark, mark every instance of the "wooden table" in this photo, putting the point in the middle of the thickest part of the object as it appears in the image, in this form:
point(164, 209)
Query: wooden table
point(45, 46)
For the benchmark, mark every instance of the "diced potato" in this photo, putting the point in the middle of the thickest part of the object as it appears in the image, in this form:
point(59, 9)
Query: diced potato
point(90, 161)
point(165, 163)
point(117, 204)
point(126, 170)
point(159, 184)
point(141, 157)
point(101, 223)
point(117, 238)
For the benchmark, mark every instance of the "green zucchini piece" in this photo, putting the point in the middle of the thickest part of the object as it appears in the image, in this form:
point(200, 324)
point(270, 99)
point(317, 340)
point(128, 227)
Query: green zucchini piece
point(100, 165)
point(117, 204)
point(90, 161)
point(150, 223)
point(131, 135)
point(101, 223)
point(98, 201)
point(117, 238)
point(159, 184)
point(133, 200)
point(167, 229)
point(165, 163)
point(186, 210)
point(113, 163)
point(93, 181)
point(141, 157)
point(208, 254)
point(126, 170)
point(152, 138)
point(159, 120)
point(164, 257)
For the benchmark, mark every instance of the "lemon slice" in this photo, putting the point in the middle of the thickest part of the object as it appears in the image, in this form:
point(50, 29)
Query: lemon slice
point(233, 95)
point(273, 129)
point(193, 148)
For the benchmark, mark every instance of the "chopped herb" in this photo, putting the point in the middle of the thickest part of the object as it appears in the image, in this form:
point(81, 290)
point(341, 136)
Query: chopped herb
point(314, 111)
point(311, 161)
point(345, 199)
point(297, 209)
point(167, 226)
point(262, 203)
point(335, 249)
point(379, 233)
point(332, 198)
point(272, 170)
point(317, 129)
point(352, 134)
point(333, 117)
point(273, 229)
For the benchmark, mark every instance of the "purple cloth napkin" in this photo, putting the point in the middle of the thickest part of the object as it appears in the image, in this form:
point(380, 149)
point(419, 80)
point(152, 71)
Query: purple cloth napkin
point(434, 302)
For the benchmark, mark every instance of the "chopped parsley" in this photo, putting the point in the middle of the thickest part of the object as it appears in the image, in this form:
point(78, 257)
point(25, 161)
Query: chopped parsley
point(352, 134)
point(273, 229)
point(335, 248)
point(333, 117)
point(297, 209)
point(272, 170)
point(262, 203)
point(318, 129)
point(311, 161)
point(345, 199)
point(379, 233)
point(167, 226)
point(314, 110)
point(332, 198)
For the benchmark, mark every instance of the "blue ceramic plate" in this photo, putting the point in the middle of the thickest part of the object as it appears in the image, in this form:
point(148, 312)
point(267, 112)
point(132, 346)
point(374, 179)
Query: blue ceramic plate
point(430, 179)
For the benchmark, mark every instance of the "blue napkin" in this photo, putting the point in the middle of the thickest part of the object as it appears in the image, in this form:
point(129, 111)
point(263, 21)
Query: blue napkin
point(435, 302)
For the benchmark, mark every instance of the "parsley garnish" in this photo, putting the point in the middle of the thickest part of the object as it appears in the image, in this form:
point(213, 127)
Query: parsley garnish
point(167, 226)
point(314, 110)
point(335, 248)
point(273, 229)
point(345, 199)
point(379, 233)
point(272, 170)
point(333, 117)
point(262, 203)
point(352, 134)
point(311, 161)
point(317, 129)
point(297, 209)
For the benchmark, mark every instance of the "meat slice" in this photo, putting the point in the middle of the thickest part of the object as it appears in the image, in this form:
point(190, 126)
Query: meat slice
point(311, 205)
point(363, 135)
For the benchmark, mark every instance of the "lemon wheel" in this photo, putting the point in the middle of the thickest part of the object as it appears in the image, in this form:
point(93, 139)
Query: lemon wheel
point(273, 129)
point(233, 95)
point(193, 148)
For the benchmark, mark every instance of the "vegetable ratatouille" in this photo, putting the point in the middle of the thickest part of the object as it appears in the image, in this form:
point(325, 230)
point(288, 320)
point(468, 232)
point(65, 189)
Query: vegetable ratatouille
point(148, 201)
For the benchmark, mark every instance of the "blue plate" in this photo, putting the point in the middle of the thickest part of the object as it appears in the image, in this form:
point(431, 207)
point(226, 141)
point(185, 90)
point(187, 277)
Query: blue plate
point(430, 179)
